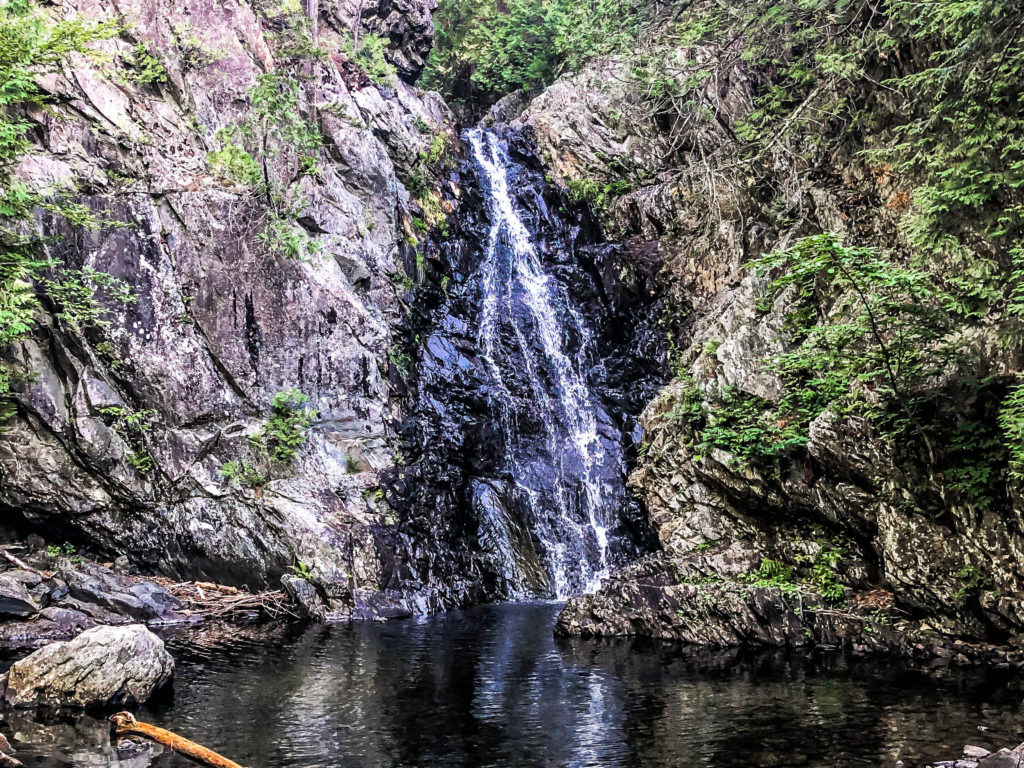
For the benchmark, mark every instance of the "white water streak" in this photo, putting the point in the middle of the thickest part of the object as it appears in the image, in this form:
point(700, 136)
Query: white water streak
point(522, 278)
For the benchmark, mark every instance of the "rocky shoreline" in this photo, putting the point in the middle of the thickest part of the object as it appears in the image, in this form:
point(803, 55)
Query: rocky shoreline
point(48, 594)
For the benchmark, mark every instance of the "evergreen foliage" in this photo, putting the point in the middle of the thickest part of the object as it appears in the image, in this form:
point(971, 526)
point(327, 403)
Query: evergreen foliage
point(485, 49)
point(33, 44)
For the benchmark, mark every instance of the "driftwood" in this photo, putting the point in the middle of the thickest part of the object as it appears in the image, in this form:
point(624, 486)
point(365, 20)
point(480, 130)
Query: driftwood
point(217, 601)
point(20, 563)
point(125, 724)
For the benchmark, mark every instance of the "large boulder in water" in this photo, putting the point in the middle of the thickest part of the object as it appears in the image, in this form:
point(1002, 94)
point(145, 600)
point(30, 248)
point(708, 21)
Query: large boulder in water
point(104, 665)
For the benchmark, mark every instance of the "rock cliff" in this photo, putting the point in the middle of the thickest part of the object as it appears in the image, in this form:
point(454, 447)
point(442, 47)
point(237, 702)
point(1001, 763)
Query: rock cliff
point(850, 511)
point(123, 429)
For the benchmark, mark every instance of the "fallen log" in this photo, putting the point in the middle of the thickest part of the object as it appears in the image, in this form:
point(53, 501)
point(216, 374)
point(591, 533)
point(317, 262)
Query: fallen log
point(125, 724)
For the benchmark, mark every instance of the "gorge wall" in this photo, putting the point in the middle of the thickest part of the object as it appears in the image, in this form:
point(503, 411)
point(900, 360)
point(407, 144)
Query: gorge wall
point(479, 320)
point(889, 526)
point(122, 430)
point(304, 236)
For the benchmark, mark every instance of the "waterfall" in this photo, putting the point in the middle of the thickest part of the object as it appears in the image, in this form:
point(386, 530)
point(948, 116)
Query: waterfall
point(535, 345)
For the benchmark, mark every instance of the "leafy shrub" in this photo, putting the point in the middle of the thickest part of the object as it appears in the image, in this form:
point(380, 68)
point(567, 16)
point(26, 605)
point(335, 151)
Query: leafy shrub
point(233, 163)
point(285, 431)
point(243, 474)
point(145, 68)
point(370, 57)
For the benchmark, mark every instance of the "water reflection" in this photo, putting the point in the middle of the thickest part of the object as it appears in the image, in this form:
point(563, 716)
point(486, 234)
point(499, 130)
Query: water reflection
point(490, 687)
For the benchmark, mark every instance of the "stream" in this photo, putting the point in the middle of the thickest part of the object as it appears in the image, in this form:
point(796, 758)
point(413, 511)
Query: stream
point(491, 687)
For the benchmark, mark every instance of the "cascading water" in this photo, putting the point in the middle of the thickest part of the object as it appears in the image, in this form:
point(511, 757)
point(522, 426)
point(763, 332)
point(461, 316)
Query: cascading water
point(535, 345)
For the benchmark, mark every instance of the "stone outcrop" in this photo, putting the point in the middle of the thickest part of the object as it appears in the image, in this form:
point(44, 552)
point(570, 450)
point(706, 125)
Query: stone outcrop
point(304, 596)
point(76, 597)
point(978, 757)
point(103, 666)
point(15, 599)
point(406, 26)
point(122, 430)
point(948, 563)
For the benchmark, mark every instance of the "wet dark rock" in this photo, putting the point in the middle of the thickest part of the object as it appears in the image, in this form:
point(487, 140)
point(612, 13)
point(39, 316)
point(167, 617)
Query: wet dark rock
point(469, 527)
point(102, 666)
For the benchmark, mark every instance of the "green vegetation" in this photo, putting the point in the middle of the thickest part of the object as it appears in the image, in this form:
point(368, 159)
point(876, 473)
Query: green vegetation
point(485, 49)
point(243, 474)
point(144, 68)
point(32, 45)
point(285, 431)
point(973, 580)
point(401, 360)
point(133, 427)
point(821, 574)
point(369, 55)
point(598, 196)
point(64, 550)
point(774, 574)
point(302, 570)
point(823, 571)
point(232, 163)
point(276, 443)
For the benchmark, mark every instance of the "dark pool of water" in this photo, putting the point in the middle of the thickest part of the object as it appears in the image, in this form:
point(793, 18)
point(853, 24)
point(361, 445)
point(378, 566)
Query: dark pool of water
point(491, 687)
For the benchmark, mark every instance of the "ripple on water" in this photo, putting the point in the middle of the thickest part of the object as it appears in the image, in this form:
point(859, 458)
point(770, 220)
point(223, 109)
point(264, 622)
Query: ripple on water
point(491, 687)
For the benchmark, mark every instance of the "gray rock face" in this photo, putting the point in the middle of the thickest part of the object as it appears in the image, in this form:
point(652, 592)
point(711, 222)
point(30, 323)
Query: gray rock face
point(305, 597)
point(15, 599)
point(959, 564)
point(103, 666)
point(121, 433)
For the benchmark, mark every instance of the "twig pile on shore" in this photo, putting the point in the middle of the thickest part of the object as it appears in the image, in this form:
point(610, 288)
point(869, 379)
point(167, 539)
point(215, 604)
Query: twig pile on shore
point(217, 601)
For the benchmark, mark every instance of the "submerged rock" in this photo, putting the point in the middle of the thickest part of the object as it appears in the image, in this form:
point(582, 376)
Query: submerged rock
point(102, 666)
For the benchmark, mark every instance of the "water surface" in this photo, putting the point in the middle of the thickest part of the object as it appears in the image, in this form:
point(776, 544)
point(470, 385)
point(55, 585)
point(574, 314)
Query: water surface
point(491, 687)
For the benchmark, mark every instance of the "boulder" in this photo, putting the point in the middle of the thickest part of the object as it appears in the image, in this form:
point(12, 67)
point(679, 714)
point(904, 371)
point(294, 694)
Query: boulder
point(305, 597)
point(102, 666)
point(1004, 758)
point(15, 599)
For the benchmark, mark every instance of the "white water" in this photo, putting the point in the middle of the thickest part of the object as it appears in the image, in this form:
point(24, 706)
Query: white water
point(520, 297)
